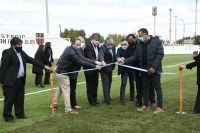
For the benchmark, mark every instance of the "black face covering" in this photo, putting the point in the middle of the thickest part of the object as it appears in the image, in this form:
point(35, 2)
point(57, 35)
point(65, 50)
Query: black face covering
point(131, 43)
point(18, 49)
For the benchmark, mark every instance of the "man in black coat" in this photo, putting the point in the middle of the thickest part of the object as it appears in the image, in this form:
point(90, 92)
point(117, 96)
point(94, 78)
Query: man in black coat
point(92, 77)
point(13, 77)
point(196, 63)
point(149, 53)
point(41, 57)
point(107, 55)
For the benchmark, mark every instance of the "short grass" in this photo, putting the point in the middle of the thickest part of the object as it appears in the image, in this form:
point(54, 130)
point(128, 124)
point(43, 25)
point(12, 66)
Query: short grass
point(114, 118)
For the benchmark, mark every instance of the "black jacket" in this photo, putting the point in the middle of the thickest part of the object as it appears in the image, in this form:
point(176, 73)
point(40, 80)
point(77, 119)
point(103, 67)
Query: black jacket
point(155, 54)
point(49, 53)
point(72, 58)
point(196, 63)
point(10, 66)
point(76, 68)
point(89, 52)
point(105, 55)
point(126, 54)
point(41, 57)
point(120, 54)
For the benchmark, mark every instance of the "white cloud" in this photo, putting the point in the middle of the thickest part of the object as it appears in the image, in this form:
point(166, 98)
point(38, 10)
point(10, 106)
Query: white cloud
point(104, 16)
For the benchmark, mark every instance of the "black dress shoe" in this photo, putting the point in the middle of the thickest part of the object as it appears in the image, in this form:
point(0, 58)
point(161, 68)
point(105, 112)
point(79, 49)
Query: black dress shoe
point(93, 104)
point(138, 104)
point(23, 117)
point(97, 102)
point(122, 102)
point(107, 102)
point(41, 86)
point(10, 121)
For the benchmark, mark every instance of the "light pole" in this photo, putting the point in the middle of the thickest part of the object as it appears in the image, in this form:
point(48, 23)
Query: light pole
point(60, 30)
point(170, 26)
point(47, 16)
point(183, 31)
point(196, 18)
point(175, 30)
point(154, 13)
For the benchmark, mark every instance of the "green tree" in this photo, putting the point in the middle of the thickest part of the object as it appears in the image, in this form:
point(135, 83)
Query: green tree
point(196, 40)
point(72, 33)
point(117, 38)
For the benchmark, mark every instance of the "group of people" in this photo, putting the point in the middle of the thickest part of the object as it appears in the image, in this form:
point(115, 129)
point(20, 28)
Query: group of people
point(144, 52)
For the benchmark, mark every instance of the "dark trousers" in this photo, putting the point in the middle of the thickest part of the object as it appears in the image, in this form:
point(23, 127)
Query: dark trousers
point(138, 79)
point(73, 83)
point(147, 80)
point(92, 81)
point(14, 95)
point(106, 83)
point(152, 94)
point(46, 77)
point(38, 79)
point(124, 76)
point(197, 103)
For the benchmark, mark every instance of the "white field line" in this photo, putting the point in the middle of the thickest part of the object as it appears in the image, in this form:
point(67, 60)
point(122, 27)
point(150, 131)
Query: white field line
point(177, 64)
point(32, 93)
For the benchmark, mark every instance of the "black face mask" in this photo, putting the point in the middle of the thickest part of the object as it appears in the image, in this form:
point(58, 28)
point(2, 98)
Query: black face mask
point(131, 43)
point(18, 49)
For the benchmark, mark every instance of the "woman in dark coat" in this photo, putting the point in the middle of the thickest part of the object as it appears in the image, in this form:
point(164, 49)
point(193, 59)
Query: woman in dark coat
point(196, 63)
point(40, 57)
point(49, 55)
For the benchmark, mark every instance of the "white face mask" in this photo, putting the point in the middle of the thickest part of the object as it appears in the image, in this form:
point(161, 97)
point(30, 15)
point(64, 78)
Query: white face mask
point(95, 42)
point(82, 45)
point(141, 39)
point(124, 47)
point(77, 47)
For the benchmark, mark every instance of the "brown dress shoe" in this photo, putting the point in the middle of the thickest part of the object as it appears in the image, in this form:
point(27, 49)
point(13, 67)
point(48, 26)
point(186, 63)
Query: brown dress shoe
point(158, 110)
point(72, 113)
point(142, 109)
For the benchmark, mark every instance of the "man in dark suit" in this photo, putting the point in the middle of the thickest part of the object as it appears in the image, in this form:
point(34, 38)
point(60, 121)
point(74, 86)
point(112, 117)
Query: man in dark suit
point(92, 77)
point(12, 79)
point(107, 55)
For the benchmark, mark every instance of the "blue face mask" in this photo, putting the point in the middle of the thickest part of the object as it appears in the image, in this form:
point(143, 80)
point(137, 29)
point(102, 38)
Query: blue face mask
point(77, 47)
point(141, 38)
point(124, 47)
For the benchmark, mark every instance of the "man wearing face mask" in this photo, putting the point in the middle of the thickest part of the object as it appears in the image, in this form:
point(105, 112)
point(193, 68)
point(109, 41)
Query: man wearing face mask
point(149, 53)
point(13, 77)
point(74, 76)
point(82, 42)
point(71, 58)
point(107, 55)
point(133, 42)
point(125, 73)
point(92, 77)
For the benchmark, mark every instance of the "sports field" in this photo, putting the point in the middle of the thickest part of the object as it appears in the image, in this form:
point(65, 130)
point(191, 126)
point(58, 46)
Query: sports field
point(114, 118)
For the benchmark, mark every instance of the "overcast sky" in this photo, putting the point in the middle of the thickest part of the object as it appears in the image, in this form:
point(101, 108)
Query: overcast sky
point(103, 16)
